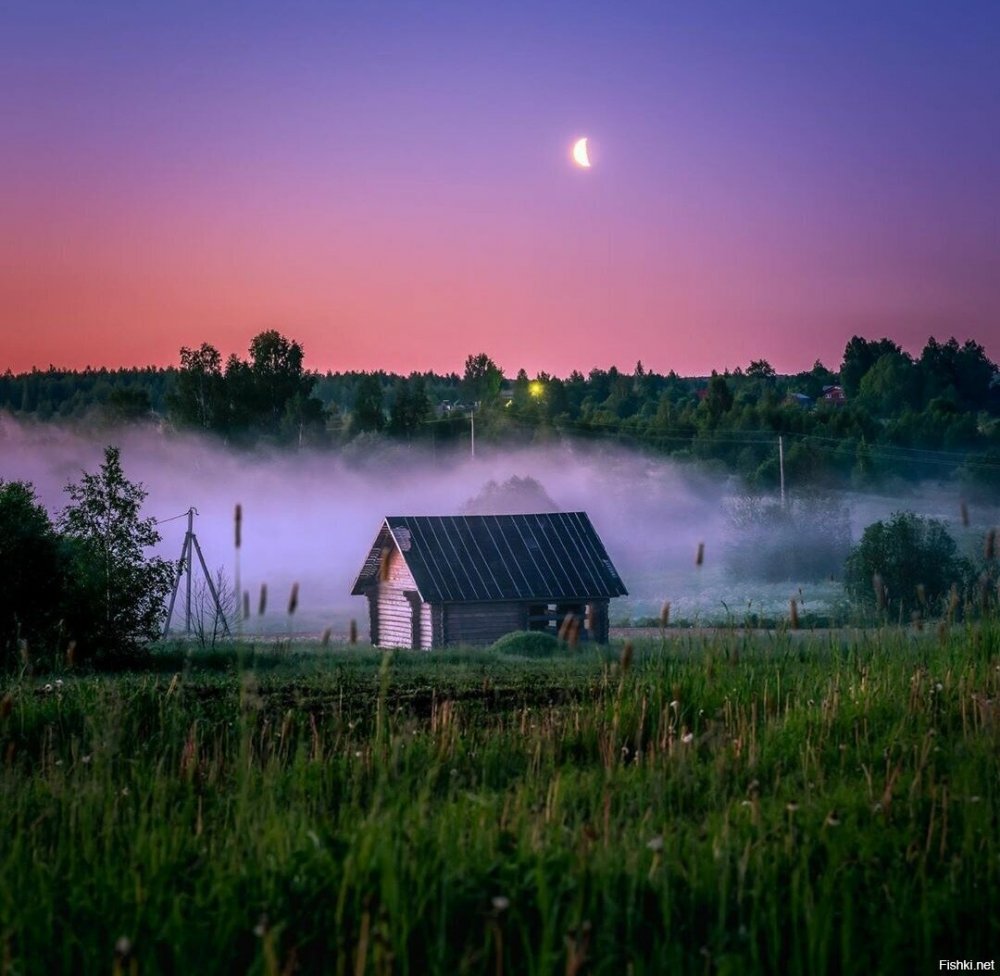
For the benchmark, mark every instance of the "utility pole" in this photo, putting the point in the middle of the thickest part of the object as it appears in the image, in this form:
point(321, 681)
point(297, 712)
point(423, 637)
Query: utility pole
point(188, 550)
point(781, 467)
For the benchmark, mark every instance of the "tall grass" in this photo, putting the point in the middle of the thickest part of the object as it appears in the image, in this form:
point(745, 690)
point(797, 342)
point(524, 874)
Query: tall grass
point(722, 804)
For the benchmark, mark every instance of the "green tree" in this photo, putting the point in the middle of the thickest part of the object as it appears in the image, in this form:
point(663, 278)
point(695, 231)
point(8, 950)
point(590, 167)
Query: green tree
point(890, 386)
point(482, 379)
point(120, 592)
point(199, 397)
point(905, 563)
point(369, 414)
point(34, 580)
point(859, 357)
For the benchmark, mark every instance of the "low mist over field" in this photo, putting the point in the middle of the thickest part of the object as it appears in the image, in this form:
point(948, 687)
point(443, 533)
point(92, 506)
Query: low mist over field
point(311, 516)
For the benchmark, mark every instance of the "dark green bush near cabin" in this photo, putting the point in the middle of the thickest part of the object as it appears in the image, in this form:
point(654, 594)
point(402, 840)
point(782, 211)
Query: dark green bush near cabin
point(905, 563)
point(527, 643)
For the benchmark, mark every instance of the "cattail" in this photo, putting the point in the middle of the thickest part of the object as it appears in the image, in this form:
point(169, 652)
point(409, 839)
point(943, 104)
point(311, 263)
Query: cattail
point(700, 558)
point(990, 549)
point(665, 615)
point(238, 525)
point(626, 660)
point(566, 626)
point(293, 599)
point(879, 587)
point(262, 603)
point(71, 654)
point(953, 601)
point(246, 604)
point(383, 566)
point(325, 641)
point(965, 513)
point(353, 632)
point(793, 613)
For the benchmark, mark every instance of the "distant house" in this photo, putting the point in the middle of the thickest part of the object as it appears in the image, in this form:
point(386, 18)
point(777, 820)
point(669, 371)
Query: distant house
point(834, 395)
point(433, 581)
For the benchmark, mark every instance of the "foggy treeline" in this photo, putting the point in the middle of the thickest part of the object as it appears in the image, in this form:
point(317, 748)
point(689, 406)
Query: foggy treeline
point(882, 414)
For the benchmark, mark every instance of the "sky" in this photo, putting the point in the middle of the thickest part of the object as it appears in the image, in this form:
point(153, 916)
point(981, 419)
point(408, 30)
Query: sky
point(391, 185)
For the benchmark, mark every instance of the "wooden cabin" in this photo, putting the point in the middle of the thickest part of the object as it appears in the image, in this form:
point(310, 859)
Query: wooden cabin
point(433, 581)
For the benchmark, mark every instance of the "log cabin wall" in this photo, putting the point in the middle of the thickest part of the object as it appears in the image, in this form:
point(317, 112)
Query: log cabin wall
point(482, 623)
point(399, 618)
point(597, 619)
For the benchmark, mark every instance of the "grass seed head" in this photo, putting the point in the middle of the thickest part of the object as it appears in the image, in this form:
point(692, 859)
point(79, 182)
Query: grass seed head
point(965, 513)
point(71, 654)
point(665, 615)
point(325, 640)
point(990, 547)
point(880, 592)
point(293, 599)
point(238, 525)
point(793, 613)
point(246, 604)
point(626, 659)
point(700, 557)
point(353, 632)
point(262, 602)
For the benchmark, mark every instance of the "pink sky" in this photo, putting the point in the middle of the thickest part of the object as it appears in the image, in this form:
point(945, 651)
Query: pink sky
point(397, 193)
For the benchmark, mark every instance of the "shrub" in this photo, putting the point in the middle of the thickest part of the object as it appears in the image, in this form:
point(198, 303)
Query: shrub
point(905, 562)
point(527, 643)
point(33, 579)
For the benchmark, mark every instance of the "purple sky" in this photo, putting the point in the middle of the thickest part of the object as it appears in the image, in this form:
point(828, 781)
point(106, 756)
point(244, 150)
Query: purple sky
point(390, 183)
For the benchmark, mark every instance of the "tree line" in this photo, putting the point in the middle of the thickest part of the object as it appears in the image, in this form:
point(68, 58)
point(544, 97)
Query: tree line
point(894, 414)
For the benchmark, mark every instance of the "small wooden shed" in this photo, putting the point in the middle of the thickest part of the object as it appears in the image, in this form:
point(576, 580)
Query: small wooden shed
point(432, 581)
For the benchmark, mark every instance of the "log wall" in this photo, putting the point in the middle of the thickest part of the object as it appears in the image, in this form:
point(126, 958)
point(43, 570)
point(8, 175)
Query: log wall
point(482, 623)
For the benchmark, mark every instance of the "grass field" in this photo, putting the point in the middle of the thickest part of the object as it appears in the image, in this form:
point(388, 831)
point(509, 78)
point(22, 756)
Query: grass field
point(725, 804)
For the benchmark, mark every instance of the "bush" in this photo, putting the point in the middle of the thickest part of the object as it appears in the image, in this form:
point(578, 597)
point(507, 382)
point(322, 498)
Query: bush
point(527, 643)
point(904, 563)
point(32, 593)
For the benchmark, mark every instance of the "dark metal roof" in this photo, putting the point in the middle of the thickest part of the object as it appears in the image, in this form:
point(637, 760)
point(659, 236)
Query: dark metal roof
point(460, 558)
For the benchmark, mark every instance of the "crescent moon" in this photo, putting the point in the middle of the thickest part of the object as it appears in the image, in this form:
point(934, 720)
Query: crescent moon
point(580, 155)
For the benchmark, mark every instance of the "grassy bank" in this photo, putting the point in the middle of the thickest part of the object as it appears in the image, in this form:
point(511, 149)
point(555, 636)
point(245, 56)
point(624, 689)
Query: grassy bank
point(726, 804)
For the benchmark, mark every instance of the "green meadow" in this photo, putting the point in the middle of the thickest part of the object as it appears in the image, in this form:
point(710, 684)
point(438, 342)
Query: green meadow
point(711, 803)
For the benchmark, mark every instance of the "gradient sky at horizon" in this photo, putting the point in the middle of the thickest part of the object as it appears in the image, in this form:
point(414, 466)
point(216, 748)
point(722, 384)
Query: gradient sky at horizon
point(390, 183)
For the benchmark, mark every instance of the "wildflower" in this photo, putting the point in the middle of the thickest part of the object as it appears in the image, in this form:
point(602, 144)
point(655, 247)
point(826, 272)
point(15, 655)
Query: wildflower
point(939, 687)
point(832, 820)
point(500, 903)
point(47, 689)
point(791, 806)
point(260, 929)
point(675, 704)
point(688, 737)
point(59, 682)
point(86, 759)
point(123, 947)
point(655, 844)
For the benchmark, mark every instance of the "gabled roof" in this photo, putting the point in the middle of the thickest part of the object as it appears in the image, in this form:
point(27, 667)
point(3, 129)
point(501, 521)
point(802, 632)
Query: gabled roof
point(461, 558)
